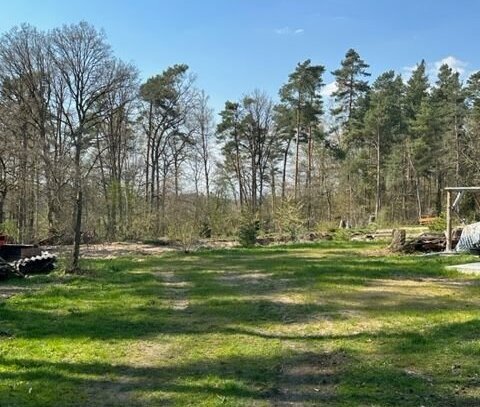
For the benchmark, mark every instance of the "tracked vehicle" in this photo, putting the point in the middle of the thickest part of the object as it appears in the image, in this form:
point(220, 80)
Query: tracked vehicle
point(24, 259)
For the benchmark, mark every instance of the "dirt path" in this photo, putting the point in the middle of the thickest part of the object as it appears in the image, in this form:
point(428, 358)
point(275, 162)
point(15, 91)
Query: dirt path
point(112, 250)
point(8, 291)
point(176, 290)
point(309, 379)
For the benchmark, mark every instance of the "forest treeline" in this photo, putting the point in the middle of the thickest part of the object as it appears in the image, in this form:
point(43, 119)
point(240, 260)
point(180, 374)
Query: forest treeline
point(89, 151)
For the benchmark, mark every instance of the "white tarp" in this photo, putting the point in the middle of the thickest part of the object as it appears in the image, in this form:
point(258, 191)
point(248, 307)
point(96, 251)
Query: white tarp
point(470, 238)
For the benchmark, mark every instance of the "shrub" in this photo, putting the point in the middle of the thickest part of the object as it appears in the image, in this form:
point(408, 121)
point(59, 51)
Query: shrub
point(439, 224)
point(288, 218)
point(10, 229)
point(206, 229)
point(183, 227)
point(342, 235)
point(248, 230)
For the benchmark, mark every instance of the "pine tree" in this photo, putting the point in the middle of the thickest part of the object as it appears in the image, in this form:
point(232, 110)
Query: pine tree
point(351, 103)
point(352, 85)
point(384, 123)
point(416, 95)
point(449, 98)
point(472, 130)
point(249, 145)
point(416, 90)
point(301, 96)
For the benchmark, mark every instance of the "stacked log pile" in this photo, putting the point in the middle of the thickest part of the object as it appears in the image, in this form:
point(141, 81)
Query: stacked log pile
point(425, 243)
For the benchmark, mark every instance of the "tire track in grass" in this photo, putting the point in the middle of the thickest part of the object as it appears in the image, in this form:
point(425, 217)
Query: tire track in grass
point(149, 354)
point(175, 290)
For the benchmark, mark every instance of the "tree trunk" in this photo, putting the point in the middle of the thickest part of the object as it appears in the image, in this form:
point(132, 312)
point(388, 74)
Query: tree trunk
point(254, 185)
point(163, 226)
point(274, 192)
point(77, 227)
point(284, 171)
point(378, 186)
point(238, 170)
point(309, 178)
point(457, 150)
point(149, 146)
point(438, 203)
point(297, 155)
point(207, 181)
point(419, 200)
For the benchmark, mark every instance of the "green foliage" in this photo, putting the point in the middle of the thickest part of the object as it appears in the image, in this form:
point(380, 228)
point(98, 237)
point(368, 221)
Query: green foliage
point(439, 224)
point(248, 140)
point(301, 95)
point(342, 235)
point(289, 218)
point(384, 118)
point(248, 229)
point(163, 90)
point(10, 229)
point(351, 88)
point(416, 90)
point(327, 226)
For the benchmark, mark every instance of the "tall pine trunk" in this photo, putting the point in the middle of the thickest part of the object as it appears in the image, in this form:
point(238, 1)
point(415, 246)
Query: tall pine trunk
point(297, 154)
point(378, 180)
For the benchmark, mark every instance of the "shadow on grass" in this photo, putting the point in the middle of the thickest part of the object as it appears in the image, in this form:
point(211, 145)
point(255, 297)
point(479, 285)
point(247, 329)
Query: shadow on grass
point(126, 298)
point(257, 378)
point(238, 292)
point(303, 378)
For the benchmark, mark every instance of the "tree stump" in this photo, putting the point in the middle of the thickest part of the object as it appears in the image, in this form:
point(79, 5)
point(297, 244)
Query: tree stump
point(398, 240)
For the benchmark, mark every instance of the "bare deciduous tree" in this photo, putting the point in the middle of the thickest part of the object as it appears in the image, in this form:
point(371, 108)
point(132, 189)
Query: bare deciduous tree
point(85, 63)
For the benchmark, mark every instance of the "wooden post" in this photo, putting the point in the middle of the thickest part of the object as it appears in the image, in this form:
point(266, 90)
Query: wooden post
point(448, 247)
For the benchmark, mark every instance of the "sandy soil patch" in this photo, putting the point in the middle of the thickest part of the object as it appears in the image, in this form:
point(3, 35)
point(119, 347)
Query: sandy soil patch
point(118, 249)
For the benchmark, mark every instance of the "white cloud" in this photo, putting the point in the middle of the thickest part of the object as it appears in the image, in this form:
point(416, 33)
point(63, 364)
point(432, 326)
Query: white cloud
point(328, 89)
point(433, 67)
point(407, 72)
point(289, 31)
point(409, 69)
point(282, 31)
point(454, 63)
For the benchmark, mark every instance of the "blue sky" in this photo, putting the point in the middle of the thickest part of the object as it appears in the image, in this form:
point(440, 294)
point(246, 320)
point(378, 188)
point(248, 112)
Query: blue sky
point(235, 46)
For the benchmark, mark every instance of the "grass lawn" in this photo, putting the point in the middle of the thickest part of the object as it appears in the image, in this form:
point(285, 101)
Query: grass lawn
point(330, 324)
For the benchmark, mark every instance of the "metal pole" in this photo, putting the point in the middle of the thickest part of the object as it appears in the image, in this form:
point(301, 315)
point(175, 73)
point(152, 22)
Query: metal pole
point(448, 247)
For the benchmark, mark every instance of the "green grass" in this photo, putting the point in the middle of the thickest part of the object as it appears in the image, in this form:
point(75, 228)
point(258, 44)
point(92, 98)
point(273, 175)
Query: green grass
point(330, 324)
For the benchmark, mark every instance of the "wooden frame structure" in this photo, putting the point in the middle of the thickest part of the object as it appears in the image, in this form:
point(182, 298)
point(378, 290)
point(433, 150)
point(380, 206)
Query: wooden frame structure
point(451, 205)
